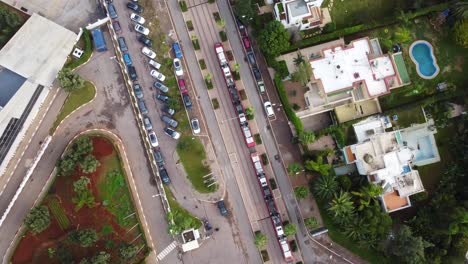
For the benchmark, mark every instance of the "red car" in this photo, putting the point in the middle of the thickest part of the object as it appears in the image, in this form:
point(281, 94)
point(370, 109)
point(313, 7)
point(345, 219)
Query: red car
point(246, 42)
point(117, 27)
point(182, 87)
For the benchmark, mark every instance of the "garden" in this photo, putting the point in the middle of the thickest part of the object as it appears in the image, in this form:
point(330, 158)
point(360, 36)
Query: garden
point(10, 22)
point(87, 215)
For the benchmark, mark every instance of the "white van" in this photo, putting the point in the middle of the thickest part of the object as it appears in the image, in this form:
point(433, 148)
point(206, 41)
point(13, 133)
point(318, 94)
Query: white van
point(269, 109)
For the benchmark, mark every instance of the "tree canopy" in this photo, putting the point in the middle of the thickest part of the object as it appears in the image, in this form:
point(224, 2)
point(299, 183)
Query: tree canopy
point(38, 219)
point(301, 192)
point(89, 164)
point(86, 237)
point(318, 166)
point(461, 32)
point(260, 239)
point(274, 39)
point(128, 251)
point(290, 229)
point(326, 186)
point(70, 80)
point(407, 248)
point(245, 10)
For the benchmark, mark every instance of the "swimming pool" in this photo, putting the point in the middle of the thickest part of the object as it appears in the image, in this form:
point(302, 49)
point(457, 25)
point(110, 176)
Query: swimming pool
point(424, 149)
point(422, 54)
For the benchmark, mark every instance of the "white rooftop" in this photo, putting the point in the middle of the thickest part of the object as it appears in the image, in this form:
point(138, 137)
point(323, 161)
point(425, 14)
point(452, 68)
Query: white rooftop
point(38, 50)
point(341, 68)
point(371, 126)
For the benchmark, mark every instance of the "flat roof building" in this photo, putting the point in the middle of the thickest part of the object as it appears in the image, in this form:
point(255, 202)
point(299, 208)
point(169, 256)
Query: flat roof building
point(301, 14)
point(29, 64)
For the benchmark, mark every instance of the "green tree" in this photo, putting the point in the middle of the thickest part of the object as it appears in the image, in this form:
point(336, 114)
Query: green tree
point(301, 192)
point(460, 9)
point(221, 22)
point(128, 251)
point(294, 168)
point(249, 112)
point(402, 35)
point(85, 195)
point(89, 164)
point(403, 18)
point(407, 248)
point(311, 223)
point(236, 67)
point(341, 207)
point(101, 258)
point(325, 186)
point(66, 167)
point(209, 76)
point(82, 146)
point(245, 10)
point(38, 219)
point(9, 23)
point(81, 184)
point(69, 80)
point(318, 166)
point(367, 194)
point(260, 239)
point(356, 229)
point(86, 237)
point(290, 229)
point(274, 39)
point(307, 137)
point(299, 59)
point(461, 32)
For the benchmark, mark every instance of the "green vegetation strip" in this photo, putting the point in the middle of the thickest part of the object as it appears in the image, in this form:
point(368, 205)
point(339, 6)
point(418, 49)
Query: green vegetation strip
point(287, 106)
point(192, 154)
point(75, 99)
point(88, 50)
point(59, 213)
point(182, 214)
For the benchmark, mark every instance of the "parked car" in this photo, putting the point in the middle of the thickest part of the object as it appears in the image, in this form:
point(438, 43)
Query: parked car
point(132, 73)
point(122, 44)
point(182, 87)
point(149, 53)
point(257, 74)
point(138, 91)
point(135, 7)
point(112, 12)
point(163, 88)
point(127, 59)
point(158, 75)
point(177, 51)
point(261, 87)
point(164, 175)
point(163, 98)
point(187, 101)
point(246, 42)
point(147, 122)
point(142, 107)
point(178, 67)
point(155, 64)
point(153, 139)
point(138, 19)
point(222, 208)
point(108, 1)
point(172, 133)
point(117, 27)
point(145, 41)
point(141, 29)
point(171, 122)
point(251, 58)
point(158, 157)
point(269, 109)
point(166, 109)
point(195, 126)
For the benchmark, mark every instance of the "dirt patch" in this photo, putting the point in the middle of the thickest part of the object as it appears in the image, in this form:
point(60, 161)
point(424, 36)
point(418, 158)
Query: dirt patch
point(34, 248)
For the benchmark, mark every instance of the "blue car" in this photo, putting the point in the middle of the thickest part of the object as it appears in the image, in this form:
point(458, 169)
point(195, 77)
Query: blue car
point(127, 59)
point(177, 51)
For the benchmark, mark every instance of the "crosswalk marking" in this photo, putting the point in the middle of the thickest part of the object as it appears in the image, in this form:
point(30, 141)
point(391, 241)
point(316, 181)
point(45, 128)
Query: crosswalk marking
point(167, 250)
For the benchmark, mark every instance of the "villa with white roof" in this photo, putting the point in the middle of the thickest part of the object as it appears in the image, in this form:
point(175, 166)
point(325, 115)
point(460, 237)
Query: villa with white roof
point(386, 158)
point(301, 14)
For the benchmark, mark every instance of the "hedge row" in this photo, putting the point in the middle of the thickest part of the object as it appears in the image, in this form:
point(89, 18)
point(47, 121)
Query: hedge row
point(362, 27)
point(296, 121)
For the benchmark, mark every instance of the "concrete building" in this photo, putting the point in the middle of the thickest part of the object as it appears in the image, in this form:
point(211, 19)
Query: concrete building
point(301, 14)
point(29, 64)
point(386, 158)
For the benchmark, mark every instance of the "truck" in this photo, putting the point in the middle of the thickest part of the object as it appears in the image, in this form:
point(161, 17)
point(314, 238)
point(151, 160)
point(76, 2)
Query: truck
point(98, 40)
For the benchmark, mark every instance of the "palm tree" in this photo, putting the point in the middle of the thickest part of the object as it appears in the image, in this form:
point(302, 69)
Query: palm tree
point(326, 187)
point(460, 9)
point(318, 166)
point(356, 229)
point(367, 194)
point(342, 207)
point(294, 169)
point(299, 59)
point(69, 80)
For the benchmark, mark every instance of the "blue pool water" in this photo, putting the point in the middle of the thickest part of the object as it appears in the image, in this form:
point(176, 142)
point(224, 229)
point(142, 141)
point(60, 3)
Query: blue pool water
point(424, 149)
point(423, 57)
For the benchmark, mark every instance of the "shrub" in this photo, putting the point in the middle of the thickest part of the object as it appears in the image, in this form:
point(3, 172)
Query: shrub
point(273, 184)
point(329, 27)
point(223, 36)
point(209, 84)
point(236, 76)
point(264, 158)
point(293, 245)
point(215, 103)
point(311, 223)
point(189, 25)
point(296, 107)
point(249, 113)
point(216, 16)
point(280, 67)
point(258, 139)
point(183, 6)
point(38, 219)
point(202, 64)
point(229, 55)
point(290, 229)
point(243, 95)
point(301, 192)
point(196, 44)
point(296, 121)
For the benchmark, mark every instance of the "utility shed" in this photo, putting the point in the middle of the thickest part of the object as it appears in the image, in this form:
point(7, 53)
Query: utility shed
point(99, 41)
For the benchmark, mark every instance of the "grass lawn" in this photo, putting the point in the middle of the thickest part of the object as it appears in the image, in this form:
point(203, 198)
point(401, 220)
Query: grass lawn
point(370, 255)
point(407, 116)
point(86, 45)
point(179, 210)
point(75, 99)
point(192, 154)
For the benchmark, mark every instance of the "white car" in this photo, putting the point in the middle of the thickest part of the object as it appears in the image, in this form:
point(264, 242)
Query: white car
point(178, 67)
point(155, 64)
point(141, 29)
point(195, 126)
point(158, 75)
point(269, 109)
point(136, 18)
point(172, 133)
point(153, 139)
point(149, 53)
